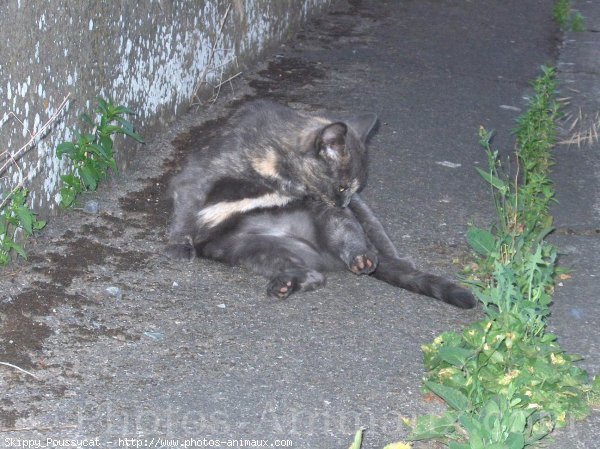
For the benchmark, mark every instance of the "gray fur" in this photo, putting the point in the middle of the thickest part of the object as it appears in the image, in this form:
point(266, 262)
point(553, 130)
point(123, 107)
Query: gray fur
point(278, 194)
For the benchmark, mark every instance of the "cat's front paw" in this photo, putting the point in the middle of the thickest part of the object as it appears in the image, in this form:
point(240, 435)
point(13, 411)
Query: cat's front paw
point(363, 263)
point(180, 251)
point(286, 283)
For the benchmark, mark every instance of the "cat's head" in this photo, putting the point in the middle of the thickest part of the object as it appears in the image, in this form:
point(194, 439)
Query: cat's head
point(340, 149)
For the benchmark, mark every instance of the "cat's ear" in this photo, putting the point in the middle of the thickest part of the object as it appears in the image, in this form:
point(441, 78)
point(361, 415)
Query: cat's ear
point(362, 124)
point(331, 141)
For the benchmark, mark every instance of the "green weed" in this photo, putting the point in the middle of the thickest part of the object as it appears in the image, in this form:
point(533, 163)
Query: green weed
point(521, 204)
point(505, 379)
point(92, 154)
point(15, 217)
point(566, 18)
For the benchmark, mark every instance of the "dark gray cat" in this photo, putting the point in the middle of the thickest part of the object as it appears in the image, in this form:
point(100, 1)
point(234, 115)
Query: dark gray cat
point(278, 194)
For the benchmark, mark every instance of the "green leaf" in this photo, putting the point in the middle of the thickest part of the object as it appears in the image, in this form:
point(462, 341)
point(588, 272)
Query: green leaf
point(89, 177)
point(25, 219)
point(491, 179)
point(431, 427)
point(123, 110)
point(85, 139)
point(357, 443)
point(87, 120)
point(99, 150)
point(103, 106)
point(483, 242)
point(455, 399)
point(471, 424)
point(454, 356)
point(543, 234)
point(128, 129)
point(18, 249)
point(67, 148)
point(518, 421)
point(596, 384)
point(124, 122)
point(113, 129)
point(70, 180)
point(455, 445)
point(107, 143)
point(515, 441)
point(67, 196)
point(133, 135)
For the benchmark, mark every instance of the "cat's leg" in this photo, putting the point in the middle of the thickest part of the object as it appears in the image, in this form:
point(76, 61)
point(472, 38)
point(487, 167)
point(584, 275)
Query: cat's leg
point(372, 227)
point(181, 229)
point(290, 264)
point(343, 236)
point(401, 272)
point(188, 191)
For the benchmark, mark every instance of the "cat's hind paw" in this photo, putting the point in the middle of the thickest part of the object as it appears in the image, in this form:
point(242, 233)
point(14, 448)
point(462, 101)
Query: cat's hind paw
point(282, 285)
point(286, 283)
point(363, 263)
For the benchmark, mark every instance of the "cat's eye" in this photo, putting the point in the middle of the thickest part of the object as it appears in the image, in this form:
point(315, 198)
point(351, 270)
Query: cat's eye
point(342, 189)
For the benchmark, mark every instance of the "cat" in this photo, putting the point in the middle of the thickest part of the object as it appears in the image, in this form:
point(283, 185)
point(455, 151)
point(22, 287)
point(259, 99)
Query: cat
point(279, 194)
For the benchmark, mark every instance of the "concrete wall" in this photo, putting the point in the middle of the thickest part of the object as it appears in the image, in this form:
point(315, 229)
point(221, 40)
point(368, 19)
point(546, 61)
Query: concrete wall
point(146, 54)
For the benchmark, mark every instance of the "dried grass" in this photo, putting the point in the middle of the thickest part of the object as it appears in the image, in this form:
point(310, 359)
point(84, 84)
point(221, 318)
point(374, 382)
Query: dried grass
point(581, 129)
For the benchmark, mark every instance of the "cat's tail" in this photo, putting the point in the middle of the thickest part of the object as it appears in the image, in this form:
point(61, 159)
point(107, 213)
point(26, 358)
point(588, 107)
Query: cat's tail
point(401, 273)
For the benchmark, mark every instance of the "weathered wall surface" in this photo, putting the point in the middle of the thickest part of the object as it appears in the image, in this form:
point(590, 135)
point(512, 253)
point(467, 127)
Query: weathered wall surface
point(148, 55)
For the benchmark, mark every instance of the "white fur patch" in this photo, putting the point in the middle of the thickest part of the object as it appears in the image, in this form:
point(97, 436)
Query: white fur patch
point(332, 153)
point(219, 212)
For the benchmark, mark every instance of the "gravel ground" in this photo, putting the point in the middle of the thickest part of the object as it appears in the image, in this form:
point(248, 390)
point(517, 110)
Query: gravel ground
point(127, 344)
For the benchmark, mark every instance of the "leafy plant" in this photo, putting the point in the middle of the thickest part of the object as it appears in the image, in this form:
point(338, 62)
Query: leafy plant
point(92, 154)
point(566, 18)
point(498, 423)
point(521, 204)
point(496, 358)
point(16, 217)
point(505, 379)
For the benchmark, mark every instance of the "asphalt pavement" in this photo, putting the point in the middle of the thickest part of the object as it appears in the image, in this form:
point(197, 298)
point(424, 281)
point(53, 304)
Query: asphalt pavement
point(125, 343)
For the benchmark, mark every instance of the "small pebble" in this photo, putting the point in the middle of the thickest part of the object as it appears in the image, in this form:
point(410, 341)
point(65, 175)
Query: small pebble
point(510, 108)
point(115, 292)
point(449, 164)
point(577, 313)
point(158, 336)
point(221, 306)
point(91, 207)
